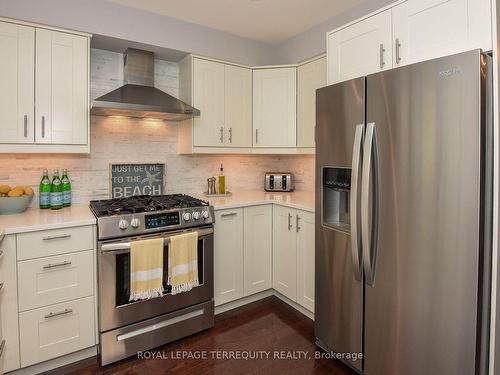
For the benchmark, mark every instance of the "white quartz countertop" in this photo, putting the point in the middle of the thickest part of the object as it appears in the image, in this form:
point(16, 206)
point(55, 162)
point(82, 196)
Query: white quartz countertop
point(35, 219)
point(299, 199)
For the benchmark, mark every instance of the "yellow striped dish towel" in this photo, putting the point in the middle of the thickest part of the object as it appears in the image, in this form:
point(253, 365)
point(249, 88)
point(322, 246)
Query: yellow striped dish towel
point(183, 262)
point(146, 269)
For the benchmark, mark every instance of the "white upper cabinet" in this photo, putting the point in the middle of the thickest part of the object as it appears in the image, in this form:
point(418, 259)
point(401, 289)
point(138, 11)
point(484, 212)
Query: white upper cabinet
point(310, 77)
point(17, 68)
point(362, 48)
point(61, 89)
point(48, 68)
point(208, 97)
point(238, 106)
point(427, 29)
point(223, 94)
point(275, 107)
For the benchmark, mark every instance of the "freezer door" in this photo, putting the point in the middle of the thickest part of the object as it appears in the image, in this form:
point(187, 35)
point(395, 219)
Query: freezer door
point(339, 295)
point(421, 249)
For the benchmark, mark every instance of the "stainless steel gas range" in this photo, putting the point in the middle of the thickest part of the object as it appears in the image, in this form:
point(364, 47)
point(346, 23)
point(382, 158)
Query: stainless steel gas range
point(125, 327)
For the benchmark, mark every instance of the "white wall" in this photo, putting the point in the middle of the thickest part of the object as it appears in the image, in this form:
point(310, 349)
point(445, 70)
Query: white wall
point(313, 42)
point(131, 140)
point(114, 20)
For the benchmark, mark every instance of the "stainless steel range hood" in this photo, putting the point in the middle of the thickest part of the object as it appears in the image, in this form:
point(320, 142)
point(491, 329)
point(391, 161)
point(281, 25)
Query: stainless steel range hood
point(138, 98)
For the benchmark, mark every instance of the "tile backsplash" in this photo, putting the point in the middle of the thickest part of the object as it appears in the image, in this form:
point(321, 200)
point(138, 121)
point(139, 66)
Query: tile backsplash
point(130, 140)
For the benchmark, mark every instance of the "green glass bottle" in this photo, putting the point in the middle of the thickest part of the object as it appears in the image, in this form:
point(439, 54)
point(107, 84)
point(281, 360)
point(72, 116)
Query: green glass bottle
point(44, 191)
point(56, 195)
point(66, 189)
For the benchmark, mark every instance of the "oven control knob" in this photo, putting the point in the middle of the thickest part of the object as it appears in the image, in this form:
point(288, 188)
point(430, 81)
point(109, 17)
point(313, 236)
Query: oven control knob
point(123, 224)
point(135, 222)
point(196, 215)
point(186, 216)
point(205, 214)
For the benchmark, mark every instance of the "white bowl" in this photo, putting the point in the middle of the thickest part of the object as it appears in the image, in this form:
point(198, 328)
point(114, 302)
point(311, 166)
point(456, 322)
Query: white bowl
point(14, 205)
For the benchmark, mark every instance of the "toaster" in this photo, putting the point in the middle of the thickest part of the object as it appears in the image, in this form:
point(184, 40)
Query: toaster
point(279, 181)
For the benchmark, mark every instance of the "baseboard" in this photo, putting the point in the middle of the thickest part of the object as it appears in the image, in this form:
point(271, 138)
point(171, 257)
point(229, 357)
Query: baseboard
point(57, 362)
point(256, 297)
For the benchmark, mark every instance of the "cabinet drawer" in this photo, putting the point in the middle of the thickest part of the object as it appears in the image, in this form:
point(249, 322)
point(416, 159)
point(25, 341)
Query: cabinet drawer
point(56, 330)
point(53, 242)
point(56, 279)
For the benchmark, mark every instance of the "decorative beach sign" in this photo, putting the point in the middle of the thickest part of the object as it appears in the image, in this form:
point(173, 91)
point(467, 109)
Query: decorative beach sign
point(127, 180)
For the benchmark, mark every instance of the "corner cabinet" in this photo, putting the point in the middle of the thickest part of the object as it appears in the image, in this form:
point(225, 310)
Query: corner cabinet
point(275, 107)
point(408, 32)
point(48, 67)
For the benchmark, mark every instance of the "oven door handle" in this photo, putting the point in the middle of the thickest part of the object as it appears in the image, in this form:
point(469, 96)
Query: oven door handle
point(125, 246)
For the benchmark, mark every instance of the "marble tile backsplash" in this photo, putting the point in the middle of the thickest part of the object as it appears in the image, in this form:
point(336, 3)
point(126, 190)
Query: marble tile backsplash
point(116, 140)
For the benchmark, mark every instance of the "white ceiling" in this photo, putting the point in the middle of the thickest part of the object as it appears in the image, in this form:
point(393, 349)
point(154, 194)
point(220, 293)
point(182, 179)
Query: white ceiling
point(268, 21)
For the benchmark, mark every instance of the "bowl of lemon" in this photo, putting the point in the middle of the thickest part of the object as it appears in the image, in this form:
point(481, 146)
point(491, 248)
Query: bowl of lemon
point(14, 200)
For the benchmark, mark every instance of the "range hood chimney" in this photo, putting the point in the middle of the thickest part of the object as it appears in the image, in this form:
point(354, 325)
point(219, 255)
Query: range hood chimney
point(138, 97)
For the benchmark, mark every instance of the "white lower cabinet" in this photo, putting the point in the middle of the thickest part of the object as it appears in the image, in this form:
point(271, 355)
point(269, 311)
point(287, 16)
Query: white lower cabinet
point(56, 330)
point(305, 259)
point(258, 248)
point(293, 255)
point(47, 295)
point(285, 252)
point(243, 252)
point(56, 279)
point(8, 303)
point(228, 255)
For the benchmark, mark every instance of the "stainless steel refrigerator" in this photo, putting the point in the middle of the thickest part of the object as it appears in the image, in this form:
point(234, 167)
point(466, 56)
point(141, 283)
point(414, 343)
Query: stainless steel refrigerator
point(403, 213)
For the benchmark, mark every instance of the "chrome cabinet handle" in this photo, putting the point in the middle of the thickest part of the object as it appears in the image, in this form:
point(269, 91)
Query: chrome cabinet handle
point(382, 50)
point(43, 126)
point(369, 229)
point(25, 126)
point(256, 136)
point(354, 196)
point(229, 214)
point(289, 221)
point(1, 286)
point(59, 313)
point(221, 138)
point(297, 227)
point(56, 237)
point(55, 265)
point(398, 51)
point(230, 135)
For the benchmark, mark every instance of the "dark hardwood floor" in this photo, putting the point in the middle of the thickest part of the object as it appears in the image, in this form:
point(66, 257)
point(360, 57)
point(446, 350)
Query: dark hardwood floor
point(268, 325)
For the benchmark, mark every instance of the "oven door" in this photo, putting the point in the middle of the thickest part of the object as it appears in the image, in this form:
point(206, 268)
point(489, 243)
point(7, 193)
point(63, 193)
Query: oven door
point(114, 282)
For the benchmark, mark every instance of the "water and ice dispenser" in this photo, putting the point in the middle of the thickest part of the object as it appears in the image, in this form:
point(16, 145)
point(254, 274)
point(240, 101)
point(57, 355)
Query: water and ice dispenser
point(336, 190)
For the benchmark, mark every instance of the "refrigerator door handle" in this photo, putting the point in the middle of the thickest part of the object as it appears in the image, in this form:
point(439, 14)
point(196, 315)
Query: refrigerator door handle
point(368, 226)
point(355, 240)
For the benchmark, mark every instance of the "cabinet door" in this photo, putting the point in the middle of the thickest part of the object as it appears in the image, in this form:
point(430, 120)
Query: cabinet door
point(360, 49)
point(427, 29)
point(238, 106)
point(56, 330)
point(208, 97)
point(258, 248)
point(284, 252)
point(61, 90)
point(228, 254)
point(274, 107)
point(8, 303)
point(17, 69)
point(305, 259)
point(310, 77)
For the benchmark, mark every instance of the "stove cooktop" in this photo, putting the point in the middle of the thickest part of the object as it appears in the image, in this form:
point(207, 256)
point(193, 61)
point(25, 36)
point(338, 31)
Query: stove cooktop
point(124, 217)
point(144, 203)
